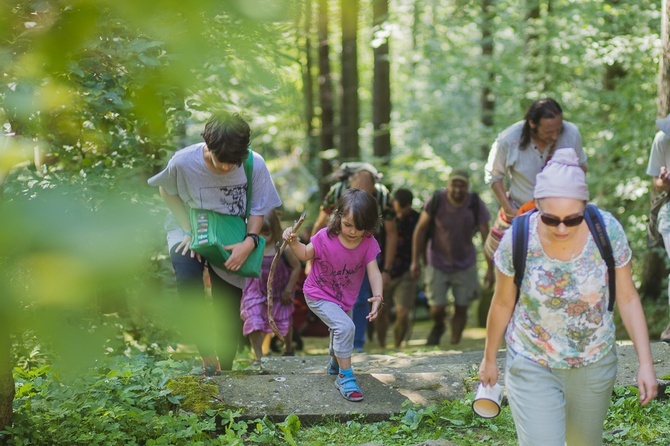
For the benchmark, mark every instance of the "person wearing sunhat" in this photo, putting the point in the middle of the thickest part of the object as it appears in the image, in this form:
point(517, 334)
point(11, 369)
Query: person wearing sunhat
point(560, 336)
point(450, 255)
point(659, 168)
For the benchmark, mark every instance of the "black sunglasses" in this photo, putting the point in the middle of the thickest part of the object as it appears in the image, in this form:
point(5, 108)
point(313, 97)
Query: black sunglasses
point(569, 222)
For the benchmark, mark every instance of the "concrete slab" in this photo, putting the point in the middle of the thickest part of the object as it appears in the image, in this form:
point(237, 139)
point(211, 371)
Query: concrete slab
point(312, 398)
point(299, 385)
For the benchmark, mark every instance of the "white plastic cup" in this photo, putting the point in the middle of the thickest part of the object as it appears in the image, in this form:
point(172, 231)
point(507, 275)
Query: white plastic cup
point(487, 400)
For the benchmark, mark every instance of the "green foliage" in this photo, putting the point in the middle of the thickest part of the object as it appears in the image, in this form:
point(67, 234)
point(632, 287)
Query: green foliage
point(97, 95)
point(143, 399)
point(103, 88)
point(134, 399)
point(120, 401)
point(629, 423)
point(452, 420)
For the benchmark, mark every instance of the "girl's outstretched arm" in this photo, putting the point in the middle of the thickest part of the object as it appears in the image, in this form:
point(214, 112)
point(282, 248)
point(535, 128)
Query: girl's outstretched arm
point(302, 252)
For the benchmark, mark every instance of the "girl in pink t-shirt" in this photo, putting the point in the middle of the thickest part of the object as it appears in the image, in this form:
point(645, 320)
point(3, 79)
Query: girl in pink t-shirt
point(342, 253)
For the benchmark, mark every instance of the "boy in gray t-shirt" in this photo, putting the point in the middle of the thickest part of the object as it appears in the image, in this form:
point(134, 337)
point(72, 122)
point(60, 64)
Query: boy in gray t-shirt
point(210, 176)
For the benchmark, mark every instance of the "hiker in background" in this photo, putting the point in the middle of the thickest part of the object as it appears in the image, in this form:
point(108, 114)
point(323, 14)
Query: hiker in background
point(451, 218)
point(342, 254)
point(365, 177)
point(254, 307)
point(401, 290)
point(561, 355)
point(519, 153)
point(658, 168)
point(209, 175)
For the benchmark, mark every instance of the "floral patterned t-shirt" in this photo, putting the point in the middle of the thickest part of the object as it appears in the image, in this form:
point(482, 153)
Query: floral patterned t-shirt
point(561, 320)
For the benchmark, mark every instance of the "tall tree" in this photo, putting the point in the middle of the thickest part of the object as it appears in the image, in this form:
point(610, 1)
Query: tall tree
point(613, 70)
point(664, 64)
point(349, 120)
point(308, 80)
point(327, 140)
point(532, 41)
point(416, 25)
point(655, 269)
point(487, 100)
point(381, 88)
point(6, 367)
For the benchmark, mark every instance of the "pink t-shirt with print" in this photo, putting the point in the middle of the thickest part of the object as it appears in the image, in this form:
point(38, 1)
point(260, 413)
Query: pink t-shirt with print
point(337, 272)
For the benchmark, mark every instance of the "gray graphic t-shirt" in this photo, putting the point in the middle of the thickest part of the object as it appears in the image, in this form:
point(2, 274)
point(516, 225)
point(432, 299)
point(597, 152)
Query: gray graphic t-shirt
point(188, 176)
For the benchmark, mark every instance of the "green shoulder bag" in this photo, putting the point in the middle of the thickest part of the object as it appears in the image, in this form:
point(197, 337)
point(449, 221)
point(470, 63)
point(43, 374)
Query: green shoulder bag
point(212, 231)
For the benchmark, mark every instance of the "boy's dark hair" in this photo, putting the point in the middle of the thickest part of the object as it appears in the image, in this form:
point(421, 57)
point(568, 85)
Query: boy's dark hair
point(541, 109)
point(404, 197)
point(363, 208)
point(227, 137)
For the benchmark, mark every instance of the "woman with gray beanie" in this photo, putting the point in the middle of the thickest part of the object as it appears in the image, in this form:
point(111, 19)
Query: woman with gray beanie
point(561, 357)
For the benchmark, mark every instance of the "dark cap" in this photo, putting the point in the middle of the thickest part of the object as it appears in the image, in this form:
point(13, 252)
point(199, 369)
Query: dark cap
point(460, 174)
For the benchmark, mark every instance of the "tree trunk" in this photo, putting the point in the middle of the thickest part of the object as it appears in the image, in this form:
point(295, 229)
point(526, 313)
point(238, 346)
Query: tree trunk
point(349, 120)
point(327, 140)
point(533, 69)
point(416, 25)
point(487, 99)
point(6, 378)
point(614, 71)
point(6, 362)
point(664, 67)
point(655, 269)
point(547, 63)
point(308, 85)
point(381, 89)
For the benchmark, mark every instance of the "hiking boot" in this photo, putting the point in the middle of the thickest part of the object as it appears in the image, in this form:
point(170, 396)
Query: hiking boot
point(435, 334)
point(665, 336)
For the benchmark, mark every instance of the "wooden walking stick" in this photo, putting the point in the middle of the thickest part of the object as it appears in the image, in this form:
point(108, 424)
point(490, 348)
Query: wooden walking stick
point(271, 276)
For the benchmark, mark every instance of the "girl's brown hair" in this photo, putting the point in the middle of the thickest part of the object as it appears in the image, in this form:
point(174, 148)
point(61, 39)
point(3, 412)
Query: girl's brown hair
point(272, 225)
point(363, 208)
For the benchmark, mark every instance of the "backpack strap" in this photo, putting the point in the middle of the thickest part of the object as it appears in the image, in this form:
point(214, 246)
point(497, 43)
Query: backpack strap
point(435, 203)
point(382, 199)
point(338, 189)
point(474, 207)
point(248, 170)
point(597, 226)
point(520, 248)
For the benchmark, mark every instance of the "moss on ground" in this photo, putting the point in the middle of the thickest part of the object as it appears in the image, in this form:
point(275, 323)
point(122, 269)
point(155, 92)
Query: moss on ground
point(198, 395)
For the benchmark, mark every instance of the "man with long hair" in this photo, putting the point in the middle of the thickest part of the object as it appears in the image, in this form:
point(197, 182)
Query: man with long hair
point(519, 153)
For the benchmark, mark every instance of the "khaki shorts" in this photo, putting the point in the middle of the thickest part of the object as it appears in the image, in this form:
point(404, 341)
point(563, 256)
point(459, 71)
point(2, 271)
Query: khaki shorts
point(464, 284)
point(402, 290)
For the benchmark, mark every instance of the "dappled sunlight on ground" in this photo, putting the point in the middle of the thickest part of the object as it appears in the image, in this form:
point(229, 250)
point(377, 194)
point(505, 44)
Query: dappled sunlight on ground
point(473, 340)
